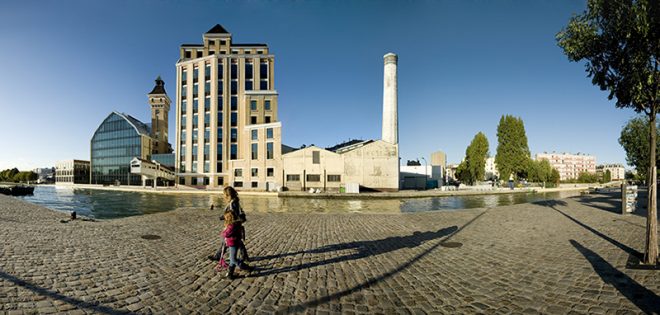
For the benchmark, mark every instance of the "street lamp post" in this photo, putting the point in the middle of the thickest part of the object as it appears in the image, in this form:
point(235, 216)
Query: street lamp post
point(426, 179)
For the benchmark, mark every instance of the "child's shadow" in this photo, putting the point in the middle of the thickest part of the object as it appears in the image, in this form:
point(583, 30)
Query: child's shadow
point(361, 249)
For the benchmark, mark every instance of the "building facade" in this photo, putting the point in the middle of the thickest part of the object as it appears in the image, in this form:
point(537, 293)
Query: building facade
point(71, 172)
point(491, 172)
point(118, 139)
point(569, 165)
point(226, 113)
point(617, 171)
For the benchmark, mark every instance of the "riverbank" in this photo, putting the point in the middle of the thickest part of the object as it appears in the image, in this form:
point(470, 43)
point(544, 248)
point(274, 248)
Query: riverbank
point(325, 195)
point(553, 257)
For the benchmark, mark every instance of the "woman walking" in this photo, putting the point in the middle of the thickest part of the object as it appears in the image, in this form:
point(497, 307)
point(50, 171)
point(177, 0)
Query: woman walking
point(233, 206)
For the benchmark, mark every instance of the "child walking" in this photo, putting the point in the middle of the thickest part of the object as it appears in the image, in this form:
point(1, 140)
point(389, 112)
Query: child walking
point(233, 235)
point(233, 206)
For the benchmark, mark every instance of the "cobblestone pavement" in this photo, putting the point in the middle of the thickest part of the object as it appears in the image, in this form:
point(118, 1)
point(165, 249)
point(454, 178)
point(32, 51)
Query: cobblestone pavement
point(553, 257)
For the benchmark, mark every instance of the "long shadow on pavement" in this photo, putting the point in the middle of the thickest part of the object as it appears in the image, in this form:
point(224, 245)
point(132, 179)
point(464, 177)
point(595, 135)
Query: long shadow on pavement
point(553, 205)
point(370, 282)
point(645, 299)
point(362, 249)
point(57, 296)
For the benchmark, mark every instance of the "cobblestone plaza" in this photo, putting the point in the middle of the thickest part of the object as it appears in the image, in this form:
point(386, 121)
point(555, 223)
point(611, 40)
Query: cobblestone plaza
point(552, 257)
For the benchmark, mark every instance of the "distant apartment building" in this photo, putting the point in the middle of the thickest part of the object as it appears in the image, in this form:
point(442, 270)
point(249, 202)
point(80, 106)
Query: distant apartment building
point(226, 112)
point(569, 165)
point(617, 171)
point(71, 172)
point(121, 137)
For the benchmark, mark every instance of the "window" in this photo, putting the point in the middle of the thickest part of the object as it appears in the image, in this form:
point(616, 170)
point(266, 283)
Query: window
point(182, 181)
point(270, 172)
point(234, 135)
point(195, 121)
point(248, 70)
point(253, 105)
point(207, 120)
point(195, 73)
point(234, 119)
point(255, 184)
point(255, 172)
point(334, 178)
point(223, 42)
point(219, 151)
point(184, 106)
point(221, 180)
point(194, 167)
point(211, 42)
point(199, 54)
point(267, 105)
point(234, 103)
point(219, 135)
point(207, 88)
point(253, 120)
point(188, 54)
point(269, 150)
point(193, 181)
point(195, 106)
point(248, 85)
point(183, 121)
point(255, 151)
point(234, 69)
point(263, 69)
point(263, 85)
point(207, 73)
point(184, 76)
point(233, 152)
point(234, 87)
point(207, 135)
point(219, 122)
point(313, 178)
point(207, 168)
point(219, 170)
point(220, 71)
point(255, 134)
point(238, 172)
point(195, 89)
point(269, 133)
point(267, 119)
point(316, 157)
point(206, 180)
point(238, 184)
point(293, 178)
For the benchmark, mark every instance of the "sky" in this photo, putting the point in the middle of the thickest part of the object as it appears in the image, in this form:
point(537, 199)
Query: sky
point(66, 65)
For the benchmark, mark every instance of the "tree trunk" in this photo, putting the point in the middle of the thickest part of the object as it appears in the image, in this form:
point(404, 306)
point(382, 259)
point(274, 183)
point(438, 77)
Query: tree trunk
point(651, 254)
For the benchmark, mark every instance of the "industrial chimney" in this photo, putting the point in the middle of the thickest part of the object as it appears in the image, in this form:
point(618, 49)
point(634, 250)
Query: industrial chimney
point(390, 116)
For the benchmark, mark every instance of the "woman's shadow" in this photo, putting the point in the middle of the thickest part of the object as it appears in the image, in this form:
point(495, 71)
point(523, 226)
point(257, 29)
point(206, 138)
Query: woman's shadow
point(359, 249)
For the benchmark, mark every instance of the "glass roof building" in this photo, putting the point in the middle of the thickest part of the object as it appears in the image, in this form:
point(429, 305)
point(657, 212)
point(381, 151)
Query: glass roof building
point(117, 140)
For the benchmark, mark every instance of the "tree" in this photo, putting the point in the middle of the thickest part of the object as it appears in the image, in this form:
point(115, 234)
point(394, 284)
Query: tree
point(586, 177)
point(607, 176)
point(554, 177)
point(512, 151)
point(474, 166)
point(634, 140)
point(620, 42)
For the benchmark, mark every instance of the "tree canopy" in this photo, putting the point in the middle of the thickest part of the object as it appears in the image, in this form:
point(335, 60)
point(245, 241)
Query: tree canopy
point(635, 141)
point(473, 168)
point(512, 150)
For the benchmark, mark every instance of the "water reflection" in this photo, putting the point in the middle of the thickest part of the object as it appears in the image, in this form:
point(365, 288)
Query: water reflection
point(113, 204)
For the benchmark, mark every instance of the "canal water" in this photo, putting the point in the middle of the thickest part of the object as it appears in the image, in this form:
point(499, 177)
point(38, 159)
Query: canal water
point(104, 204)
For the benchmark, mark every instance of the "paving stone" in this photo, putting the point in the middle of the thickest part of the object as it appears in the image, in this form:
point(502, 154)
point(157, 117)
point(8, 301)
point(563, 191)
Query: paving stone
point(528, 258)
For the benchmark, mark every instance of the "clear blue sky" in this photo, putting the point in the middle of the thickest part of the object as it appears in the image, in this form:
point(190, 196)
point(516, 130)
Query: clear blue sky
point(65, 65)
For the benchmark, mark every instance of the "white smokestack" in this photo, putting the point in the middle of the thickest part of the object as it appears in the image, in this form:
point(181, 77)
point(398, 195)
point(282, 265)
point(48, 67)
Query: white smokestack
point(390, 116)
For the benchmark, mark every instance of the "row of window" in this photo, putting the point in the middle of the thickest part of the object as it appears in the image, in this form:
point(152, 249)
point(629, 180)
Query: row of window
point(312, 178)
point(200, 53)
point(270, 172)
point(233, 73)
